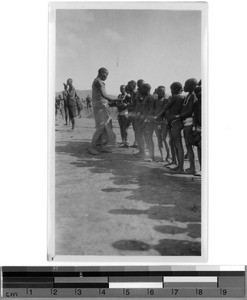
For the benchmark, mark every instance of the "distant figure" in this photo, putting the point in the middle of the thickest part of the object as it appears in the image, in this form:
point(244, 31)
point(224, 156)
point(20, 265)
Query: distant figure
point(89, 106)
point(71, 98)
point(58, 105)
point(61, 105)
point(101, 114)
point(66, 108)
point(79, 106)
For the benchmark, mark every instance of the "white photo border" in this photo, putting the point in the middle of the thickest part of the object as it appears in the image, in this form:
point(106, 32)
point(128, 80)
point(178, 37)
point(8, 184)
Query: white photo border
point(126, 260)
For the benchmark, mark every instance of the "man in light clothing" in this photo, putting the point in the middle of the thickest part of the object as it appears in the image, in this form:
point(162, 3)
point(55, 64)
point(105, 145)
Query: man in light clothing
point(100, 102)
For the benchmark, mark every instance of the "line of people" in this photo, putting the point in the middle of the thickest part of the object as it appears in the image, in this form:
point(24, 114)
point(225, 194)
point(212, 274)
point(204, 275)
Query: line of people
point(169, 117)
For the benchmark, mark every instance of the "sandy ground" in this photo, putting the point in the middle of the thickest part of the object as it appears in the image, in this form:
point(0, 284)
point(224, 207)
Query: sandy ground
point(115, 204)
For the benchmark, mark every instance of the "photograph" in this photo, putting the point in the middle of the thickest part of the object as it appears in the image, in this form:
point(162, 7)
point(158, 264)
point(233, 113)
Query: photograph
point(127, 131)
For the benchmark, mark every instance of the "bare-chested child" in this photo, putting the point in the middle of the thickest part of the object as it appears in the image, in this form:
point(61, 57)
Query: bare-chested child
point(131, 88)
point(122, 114)
point(145, 115)
point(175, 106)
point(139, 119)
point(161, 126)
point(196, 141)
point(186, 116)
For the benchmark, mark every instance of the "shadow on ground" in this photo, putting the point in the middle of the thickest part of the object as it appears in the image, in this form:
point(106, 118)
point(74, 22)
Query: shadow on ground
point(166, 247)
point(174, 199)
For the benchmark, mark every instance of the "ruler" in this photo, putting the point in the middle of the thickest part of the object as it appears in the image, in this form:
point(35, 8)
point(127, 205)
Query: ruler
point(124, 282)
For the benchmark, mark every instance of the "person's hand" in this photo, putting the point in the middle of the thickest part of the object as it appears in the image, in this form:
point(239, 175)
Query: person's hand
point(157, 118)
point(65, 86)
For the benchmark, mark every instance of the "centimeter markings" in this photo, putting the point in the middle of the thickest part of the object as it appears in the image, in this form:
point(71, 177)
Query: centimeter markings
point(144, 293)
point(67, 282)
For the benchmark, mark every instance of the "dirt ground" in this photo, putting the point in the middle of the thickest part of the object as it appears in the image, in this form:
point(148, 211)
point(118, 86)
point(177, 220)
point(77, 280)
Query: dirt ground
point(115, 204)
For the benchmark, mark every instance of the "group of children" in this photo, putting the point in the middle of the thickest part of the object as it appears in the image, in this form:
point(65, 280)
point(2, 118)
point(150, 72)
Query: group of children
point(171, 118)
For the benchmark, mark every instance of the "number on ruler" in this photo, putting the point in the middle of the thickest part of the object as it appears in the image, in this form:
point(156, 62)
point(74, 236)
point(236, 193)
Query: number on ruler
point(54, 269)
point(199, 292)
point(29, 292)
point(174, 291)
point(150, 292)
point(126, 292)
point(78, 292)
point(54, 292)
point(102, 292)
point(223, 292)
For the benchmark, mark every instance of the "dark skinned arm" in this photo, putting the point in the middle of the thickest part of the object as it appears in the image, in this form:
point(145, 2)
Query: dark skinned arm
point(151, 105)
point(167, 106)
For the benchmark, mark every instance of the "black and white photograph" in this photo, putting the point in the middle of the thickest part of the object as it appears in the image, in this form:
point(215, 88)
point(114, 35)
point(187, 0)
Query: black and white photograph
point(128, 131)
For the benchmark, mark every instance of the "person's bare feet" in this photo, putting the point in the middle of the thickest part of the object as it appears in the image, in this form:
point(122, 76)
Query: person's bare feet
point(171, 166)
point(93, 151)
point(190, 171)
point(178, 171)
point(139, 155)
point(104, 149)
point(199, 173)
point(149, 159)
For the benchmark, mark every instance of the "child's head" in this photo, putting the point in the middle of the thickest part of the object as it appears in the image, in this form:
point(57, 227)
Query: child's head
point(145, 89)
point(122, 88)
point(140, 82)
point(190, 85)
point(131, 85)
point(176, 88)
point(161, 91)
point(127, 90)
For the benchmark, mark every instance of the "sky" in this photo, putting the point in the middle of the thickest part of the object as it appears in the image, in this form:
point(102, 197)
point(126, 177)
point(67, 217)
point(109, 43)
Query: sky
point(159, 46)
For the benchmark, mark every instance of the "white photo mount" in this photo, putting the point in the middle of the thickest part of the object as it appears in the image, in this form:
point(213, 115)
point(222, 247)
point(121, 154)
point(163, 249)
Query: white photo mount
point(91, 260)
